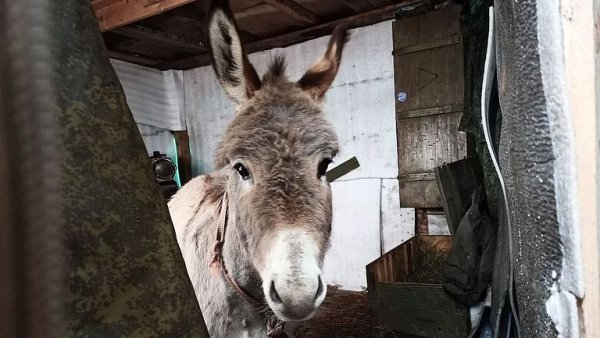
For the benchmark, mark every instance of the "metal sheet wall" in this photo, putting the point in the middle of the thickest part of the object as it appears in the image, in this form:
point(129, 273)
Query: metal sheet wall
point(154, 97)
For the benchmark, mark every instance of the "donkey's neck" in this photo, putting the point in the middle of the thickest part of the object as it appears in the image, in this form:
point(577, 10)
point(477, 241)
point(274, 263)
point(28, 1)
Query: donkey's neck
point(237, 261)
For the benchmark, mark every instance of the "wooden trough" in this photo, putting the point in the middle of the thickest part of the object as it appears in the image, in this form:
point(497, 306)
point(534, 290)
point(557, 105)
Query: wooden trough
point(400, 307)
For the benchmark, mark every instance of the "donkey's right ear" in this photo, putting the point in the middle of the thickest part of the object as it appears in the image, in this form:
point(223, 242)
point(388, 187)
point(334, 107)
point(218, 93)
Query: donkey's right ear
point(236, 74)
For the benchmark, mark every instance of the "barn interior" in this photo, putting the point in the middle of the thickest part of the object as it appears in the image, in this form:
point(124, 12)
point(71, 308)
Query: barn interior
point(447, 219)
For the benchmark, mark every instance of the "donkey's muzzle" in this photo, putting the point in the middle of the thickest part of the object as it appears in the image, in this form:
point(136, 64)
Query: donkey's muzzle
point(296, 301)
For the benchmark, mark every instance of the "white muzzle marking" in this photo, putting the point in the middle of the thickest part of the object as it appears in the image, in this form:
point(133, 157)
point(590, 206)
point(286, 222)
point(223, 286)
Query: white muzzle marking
point(292, 280)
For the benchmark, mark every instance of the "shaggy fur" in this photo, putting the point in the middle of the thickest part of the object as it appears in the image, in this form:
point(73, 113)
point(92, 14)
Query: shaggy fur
point(280, 135)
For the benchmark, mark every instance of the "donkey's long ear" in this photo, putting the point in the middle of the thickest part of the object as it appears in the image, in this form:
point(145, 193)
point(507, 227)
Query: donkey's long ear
point(236, 74)
point(321, 74)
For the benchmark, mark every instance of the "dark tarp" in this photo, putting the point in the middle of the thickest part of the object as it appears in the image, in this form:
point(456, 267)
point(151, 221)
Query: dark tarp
point(475, 38)
point(125, 276)
point(467, 271)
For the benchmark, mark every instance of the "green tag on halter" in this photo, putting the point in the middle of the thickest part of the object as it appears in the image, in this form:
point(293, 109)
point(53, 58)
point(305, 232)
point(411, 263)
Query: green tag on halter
point(342, 169)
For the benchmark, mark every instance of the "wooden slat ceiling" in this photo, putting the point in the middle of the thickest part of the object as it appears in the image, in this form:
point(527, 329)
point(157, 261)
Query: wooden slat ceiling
point(170, 34)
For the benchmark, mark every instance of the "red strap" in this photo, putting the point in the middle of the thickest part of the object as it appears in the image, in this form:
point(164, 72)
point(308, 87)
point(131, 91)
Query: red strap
point(275, 326)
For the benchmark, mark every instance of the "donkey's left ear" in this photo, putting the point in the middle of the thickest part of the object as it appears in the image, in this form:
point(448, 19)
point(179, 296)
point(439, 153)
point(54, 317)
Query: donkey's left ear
point(235, 72)
point(321, 74)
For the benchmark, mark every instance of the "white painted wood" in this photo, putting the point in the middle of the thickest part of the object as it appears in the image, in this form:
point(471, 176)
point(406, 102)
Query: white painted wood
point(157, 139)
point(437, 224)
point(397, 224)
point(208, 112)
point(355, 239)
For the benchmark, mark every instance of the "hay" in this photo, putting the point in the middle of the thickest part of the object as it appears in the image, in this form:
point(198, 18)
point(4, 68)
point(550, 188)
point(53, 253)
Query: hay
point(428, 268)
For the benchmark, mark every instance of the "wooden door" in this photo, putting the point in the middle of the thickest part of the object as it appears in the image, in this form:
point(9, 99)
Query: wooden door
point(428, 70)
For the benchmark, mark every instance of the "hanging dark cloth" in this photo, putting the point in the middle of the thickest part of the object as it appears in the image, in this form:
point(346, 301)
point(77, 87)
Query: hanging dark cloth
point(124, 272)
point(467, 271)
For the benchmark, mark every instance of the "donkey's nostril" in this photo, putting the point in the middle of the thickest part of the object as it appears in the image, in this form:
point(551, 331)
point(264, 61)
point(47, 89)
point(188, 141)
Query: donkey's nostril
point(320, 289)
point(273, 293)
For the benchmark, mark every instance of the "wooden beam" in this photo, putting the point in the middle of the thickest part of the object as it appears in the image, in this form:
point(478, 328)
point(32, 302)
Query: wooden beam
point(294, 10)
point(358, 6)
point(184, 157)
point(112, 14)
point(187, 62)
point(581, 55)
point(358, 20)
point(160, 38)
point(134, 58)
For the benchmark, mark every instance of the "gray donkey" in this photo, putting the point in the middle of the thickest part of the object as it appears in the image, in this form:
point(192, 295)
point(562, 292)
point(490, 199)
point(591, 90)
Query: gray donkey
point(254, 233)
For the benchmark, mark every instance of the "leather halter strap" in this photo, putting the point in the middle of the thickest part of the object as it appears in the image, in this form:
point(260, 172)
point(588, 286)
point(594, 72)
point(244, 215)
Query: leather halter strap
point(275, 326)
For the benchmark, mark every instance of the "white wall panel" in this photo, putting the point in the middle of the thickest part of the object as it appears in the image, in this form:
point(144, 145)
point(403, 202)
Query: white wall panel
point(208, 112)
point(355, 237)
point(397, 224)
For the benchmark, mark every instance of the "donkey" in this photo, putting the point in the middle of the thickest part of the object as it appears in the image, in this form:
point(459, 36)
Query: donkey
point(262, 221)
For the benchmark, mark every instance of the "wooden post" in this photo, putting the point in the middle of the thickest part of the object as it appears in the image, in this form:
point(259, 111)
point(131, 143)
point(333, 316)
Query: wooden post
point(581, 59)
point(184, 157)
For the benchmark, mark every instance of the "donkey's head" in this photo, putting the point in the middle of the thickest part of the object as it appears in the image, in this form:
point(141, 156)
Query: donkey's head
point(278, 148)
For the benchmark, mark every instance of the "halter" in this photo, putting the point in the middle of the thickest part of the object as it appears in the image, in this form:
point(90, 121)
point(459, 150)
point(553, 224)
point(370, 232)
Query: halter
point(275, 325)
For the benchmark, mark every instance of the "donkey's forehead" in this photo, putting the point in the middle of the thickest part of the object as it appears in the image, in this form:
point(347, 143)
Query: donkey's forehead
point(274, 129)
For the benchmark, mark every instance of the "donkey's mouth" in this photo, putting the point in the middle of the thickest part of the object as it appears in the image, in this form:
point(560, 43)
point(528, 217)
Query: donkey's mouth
point(292, 316)
point(297, 305)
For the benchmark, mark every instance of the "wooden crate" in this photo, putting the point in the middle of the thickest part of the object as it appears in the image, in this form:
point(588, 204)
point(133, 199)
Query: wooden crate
point(412, 309)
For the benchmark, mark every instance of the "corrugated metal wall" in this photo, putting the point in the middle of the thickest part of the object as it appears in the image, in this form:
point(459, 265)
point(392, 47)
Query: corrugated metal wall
point(154, 97)
point(368, 219)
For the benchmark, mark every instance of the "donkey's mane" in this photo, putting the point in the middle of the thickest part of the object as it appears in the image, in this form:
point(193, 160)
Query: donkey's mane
point(276, 70)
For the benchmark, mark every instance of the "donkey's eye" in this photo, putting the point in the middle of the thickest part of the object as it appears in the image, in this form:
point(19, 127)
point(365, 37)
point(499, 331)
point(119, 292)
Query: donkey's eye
point(244, 173)
point(322, 169)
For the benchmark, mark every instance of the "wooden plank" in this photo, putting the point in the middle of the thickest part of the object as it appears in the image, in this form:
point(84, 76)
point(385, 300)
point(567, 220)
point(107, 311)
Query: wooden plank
point(160, 38)
point(430, 78)
point(428, 176)
point(284, 40)
point(429, 142)
point(358, 6)
point(401, 266)
point(342, 169)
point(294, 10)
point(442, 42)
point(184, 157)
point(424, 310)
point(418, 30)
point(581, 36)
point(422, 222)
point(419, 194)
point(363, 19)
point(390, 293)
point(457, 181)
point(134, 58)
point(409, 114)
point(420, 322)
point(113, 14)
